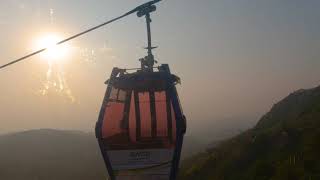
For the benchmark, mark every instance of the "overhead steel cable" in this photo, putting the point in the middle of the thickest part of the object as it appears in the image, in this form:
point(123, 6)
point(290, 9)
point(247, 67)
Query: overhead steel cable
point(141, 7)
point(63, 41)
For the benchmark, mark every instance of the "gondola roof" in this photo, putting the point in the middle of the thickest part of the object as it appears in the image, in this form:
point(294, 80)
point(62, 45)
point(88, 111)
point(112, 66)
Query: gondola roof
point(144, 80)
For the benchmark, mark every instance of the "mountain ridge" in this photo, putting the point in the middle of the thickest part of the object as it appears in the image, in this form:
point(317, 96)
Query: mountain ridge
point(283, 145)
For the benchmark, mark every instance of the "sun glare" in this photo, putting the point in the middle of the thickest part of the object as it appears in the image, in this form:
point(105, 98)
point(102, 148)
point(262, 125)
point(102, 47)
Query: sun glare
point(55, 56)
point(54, 53)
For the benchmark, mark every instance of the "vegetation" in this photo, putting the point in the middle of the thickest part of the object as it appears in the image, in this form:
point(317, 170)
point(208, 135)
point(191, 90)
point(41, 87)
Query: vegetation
point(285, 144)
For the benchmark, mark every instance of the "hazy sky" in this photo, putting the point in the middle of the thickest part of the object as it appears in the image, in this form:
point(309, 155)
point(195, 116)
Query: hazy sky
point(236, 58)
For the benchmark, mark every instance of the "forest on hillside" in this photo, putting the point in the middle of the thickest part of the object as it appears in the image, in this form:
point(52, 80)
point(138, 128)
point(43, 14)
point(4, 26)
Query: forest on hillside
point(283, 145)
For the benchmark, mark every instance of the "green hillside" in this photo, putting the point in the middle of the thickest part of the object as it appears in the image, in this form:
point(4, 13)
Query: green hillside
point(285, 144)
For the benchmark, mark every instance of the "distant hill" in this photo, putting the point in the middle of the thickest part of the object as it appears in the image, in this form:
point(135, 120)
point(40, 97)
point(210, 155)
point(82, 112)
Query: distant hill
point(192, 146)
point(50, 154)
point(47, 154)
point(285, 144)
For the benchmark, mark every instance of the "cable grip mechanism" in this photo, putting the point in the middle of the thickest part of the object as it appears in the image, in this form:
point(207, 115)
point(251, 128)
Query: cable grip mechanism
point(148, 61)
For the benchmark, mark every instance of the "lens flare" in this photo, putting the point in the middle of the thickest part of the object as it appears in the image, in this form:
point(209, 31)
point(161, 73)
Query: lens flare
point(55, 56)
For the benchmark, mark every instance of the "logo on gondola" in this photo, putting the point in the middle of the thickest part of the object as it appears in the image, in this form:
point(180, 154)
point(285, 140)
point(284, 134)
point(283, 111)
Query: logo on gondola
point(140, 156)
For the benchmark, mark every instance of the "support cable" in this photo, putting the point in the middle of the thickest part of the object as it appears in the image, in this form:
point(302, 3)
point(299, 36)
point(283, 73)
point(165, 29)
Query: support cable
point(137, 9)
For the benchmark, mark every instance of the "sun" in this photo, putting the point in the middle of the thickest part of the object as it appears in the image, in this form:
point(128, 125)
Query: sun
point(55, 57)
point(54, 53)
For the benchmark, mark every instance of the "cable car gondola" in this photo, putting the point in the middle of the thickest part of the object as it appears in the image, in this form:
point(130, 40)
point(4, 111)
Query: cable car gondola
point(141, 124)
